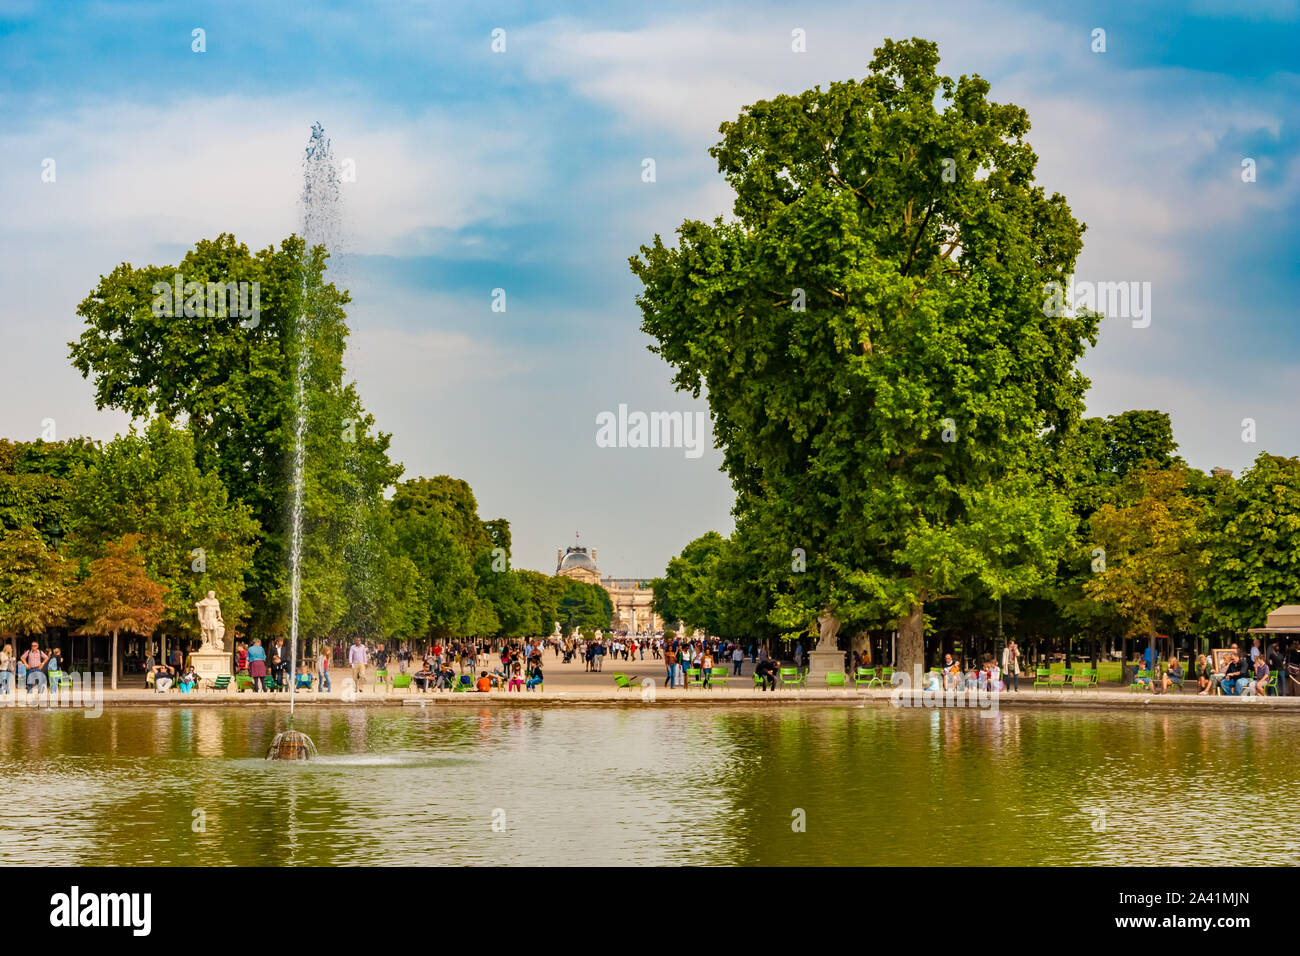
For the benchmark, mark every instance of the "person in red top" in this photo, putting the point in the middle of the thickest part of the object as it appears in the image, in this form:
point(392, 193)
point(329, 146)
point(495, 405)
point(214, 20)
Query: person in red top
point(437, 652)
point(484, 682)
point(241, 659)
point(35, 660)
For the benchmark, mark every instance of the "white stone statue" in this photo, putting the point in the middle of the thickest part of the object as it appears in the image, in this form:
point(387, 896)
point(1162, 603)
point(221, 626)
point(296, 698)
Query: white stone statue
point(212, 627)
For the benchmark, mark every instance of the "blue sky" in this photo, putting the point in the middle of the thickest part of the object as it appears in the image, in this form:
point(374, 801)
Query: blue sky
point(522, 170)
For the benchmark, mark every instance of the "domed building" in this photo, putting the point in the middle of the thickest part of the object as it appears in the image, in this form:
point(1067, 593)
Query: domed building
point(632, 598)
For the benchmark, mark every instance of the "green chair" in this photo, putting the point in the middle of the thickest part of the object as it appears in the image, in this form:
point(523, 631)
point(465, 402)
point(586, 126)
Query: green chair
point(834, 679)
point(790, 677)
point(243, 682)
point(887, 676)
point(1042, 677)
point(625, 682)
point(1271, 685)
point(381, 677)
point(268, 683)
point(1093, 680)
point(1080, 679)
point(865, 676)
point(693, 674)
point(718, 678)
point(219, 683)
point(401, 681)
point(1137, 681)
point(460, 687)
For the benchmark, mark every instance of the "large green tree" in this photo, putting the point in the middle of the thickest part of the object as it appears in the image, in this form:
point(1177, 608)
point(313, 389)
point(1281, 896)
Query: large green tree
point(874, 333)
point(232, 379)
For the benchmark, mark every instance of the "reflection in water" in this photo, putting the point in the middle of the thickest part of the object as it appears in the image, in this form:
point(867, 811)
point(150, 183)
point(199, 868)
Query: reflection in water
point(654, 785)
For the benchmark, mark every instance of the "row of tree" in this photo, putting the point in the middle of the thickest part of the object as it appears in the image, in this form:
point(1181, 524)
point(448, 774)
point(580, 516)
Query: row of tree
point(132, 533)
point(898, 403)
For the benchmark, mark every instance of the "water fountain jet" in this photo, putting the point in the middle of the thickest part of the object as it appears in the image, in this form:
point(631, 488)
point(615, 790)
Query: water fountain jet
point(320, 195)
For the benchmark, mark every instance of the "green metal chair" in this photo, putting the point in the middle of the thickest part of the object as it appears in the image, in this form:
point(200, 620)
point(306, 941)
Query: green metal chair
point(624, 682)
point(1080, 679)
point(790, 677)
point(243, 682)
point(381, 677)
point(268, 683)
point(1271, 685)
point(834, 679)
point(718, 678)
point(758, 681)
point(1093, 680)
point(401, 681)
point(693, 674)
point(865, 676)
point(221, 683)
point(1042, 677)
point(1137, 681)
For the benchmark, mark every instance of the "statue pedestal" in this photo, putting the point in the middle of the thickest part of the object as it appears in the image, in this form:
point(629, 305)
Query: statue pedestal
point(210, 663)
point(821, 663)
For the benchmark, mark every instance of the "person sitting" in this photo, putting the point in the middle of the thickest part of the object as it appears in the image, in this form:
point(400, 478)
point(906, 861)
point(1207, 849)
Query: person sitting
point(1258, 686)
point(424, 677)
point(484, 682)
point(516, 677)
point(304, 677)
point(187, 680)
point(534, 677)
point(951, 672)
point(446, 676)
point(1172, 677)
point(1204, 681)
point(163, 677)
point(992, 675)
point(766, 672)
point(1234, 678)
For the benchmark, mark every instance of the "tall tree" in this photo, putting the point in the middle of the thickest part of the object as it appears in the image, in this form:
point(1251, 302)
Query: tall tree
point(118, 595)
point(876, 337)
point(231, 378)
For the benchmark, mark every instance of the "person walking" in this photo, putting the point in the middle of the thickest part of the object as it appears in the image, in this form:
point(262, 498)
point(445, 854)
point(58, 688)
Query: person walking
point(1011, 665)
point(357, 658)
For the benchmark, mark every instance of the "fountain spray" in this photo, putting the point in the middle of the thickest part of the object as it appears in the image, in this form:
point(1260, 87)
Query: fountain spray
point(320, 195)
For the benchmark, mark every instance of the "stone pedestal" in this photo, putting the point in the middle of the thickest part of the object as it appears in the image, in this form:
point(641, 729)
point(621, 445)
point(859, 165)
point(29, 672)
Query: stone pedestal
point(821, 663)
point(211, 663)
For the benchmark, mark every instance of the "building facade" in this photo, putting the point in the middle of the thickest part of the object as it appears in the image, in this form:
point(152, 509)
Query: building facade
point(632, 598)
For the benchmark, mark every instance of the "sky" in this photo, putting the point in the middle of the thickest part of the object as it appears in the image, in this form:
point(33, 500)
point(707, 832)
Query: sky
point(521, 170)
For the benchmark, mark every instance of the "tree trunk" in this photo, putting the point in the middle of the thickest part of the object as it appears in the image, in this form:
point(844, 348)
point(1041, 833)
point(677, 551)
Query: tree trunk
point(114, 658)
point(911, 641)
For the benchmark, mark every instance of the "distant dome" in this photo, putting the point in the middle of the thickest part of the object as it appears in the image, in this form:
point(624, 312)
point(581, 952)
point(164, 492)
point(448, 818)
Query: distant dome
point(577, 558)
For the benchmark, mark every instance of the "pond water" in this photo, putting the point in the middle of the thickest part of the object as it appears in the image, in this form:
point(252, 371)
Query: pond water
point(652, 784)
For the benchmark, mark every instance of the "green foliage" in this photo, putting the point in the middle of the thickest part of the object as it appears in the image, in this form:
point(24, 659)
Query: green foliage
point(34, 583)
point(585, 606)
point(1151, 543)
point(1250, 562)
point(233, 382)
point(37, 480)
point(150, 484)
point(924, 321)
